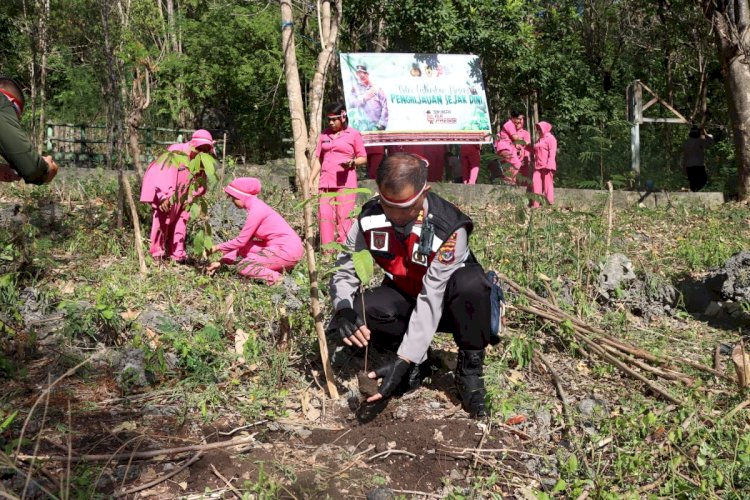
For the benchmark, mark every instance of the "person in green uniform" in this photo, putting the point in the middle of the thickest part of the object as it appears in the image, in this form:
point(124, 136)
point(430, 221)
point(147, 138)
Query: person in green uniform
point(23, 162)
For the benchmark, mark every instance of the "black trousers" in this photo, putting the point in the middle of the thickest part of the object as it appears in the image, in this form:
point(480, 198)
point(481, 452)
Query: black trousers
point(697, 177)
point(466, 310)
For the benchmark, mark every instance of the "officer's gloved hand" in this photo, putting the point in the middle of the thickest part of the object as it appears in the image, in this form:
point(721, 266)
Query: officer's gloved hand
point(392, 375)
point(345, 323)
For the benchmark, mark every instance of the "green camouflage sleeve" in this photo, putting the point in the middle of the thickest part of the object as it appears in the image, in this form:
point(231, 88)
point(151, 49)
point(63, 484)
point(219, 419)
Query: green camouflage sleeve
point(16, 148)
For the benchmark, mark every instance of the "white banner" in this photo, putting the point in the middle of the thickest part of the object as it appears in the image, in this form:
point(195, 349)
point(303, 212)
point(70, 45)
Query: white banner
point(416, 98)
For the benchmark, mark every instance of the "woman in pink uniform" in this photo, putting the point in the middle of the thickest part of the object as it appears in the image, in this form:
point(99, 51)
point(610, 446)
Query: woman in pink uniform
point(470, 158)
point(545, 164)
point(507, 148)
point(266, 245)
point(340, 150)
point(165, 187)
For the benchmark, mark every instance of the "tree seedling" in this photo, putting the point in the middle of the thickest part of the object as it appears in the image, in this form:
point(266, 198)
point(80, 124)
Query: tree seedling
point(363, 266)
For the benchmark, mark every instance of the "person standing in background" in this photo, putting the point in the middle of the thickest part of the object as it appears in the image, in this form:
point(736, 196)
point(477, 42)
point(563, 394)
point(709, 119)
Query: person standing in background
point(694, 157)
point(545, 164)
point(23, 161)
point(340, 150)
point(470, 157)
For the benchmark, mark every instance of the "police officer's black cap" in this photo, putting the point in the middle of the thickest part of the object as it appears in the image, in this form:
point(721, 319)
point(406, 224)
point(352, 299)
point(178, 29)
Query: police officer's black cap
point(361, 67)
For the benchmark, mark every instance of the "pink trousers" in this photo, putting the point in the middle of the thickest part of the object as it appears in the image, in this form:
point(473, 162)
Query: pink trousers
point(168, 230)
point(469, 169)
point(542, 182)
point(334, 215)
point(511, 165)
point(261, 262)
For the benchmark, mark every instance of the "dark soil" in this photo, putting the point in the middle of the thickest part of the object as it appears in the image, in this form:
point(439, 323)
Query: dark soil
point(367, 386)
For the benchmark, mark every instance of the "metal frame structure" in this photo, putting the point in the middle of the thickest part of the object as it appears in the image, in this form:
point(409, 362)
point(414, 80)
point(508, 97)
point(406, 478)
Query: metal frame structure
point(635, 114)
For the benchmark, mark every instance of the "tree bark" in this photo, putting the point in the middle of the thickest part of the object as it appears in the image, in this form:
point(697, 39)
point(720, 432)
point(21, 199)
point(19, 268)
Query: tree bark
point(138, 239)
point(302, 164)
point(43, 51)
point(731, 22)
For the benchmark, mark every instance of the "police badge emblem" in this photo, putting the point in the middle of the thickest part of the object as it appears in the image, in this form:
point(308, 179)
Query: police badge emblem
point(418, 258)
point(379, 241)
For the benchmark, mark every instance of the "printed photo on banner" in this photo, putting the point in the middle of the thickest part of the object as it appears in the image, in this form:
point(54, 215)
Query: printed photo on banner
point(416, 98)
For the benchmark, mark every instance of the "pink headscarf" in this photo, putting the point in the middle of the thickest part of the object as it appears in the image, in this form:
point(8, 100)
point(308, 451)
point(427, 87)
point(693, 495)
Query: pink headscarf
point(202, 137)
point(180, 147)
point(243, 187)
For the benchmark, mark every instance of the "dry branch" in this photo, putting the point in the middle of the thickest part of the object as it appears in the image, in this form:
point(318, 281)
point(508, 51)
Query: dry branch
point(136, 226)
point(557, 381)
point(142, 454)
point(161, 479)
point(624, 356)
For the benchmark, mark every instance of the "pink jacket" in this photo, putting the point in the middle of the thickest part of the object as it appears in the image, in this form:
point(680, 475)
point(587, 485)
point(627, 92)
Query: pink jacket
point(545, 149)
point(505, 141)
point(162, 181)
point(263, 226)
point(333, 151)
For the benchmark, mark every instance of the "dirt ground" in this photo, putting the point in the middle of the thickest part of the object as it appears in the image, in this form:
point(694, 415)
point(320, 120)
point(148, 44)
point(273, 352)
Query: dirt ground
point(420, 445)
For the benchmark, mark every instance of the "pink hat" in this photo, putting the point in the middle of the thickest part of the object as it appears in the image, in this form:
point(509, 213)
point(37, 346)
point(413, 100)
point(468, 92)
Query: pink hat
point(180, 147)
point(202, 137)
point(243, 187)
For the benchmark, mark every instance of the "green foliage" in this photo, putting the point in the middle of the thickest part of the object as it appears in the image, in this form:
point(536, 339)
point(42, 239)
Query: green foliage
point(363, 266)
point(200, 353)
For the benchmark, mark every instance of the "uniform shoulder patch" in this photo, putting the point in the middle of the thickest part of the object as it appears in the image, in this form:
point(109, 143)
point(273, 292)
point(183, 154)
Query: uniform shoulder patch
point(447, 251)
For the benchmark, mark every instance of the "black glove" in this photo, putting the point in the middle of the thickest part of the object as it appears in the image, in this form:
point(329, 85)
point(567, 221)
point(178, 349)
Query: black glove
point(392, 374)
point(345, 322)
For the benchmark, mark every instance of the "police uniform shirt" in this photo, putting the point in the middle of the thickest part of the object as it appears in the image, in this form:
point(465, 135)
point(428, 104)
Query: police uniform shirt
point(429, 303)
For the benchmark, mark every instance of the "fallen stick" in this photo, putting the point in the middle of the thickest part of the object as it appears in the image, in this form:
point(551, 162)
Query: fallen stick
point(143, 454)
point(561, 394)
point(667, 374)
point(621, 366)
point(388, 453)
point(736, 409)
point(558, 315)
point(491, 451)
point(229, 485)
point(614, 343)
point(241, 428)
point(518, 433)
point(136, 226)
point(161, 479)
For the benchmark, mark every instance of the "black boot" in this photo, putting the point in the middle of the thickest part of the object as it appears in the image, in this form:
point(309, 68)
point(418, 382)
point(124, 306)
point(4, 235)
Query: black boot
point(417, 374)
point(470, 381)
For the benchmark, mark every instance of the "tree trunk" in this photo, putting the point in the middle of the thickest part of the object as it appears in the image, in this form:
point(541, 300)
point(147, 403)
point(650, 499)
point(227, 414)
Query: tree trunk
point(330, 22)
point(731, 22)
point(299, 131)
point(43, 50)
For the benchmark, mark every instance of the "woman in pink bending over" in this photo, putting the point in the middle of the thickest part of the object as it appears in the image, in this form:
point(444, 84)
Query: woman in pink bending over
point(266, 245)
point(166, 187)
point(545, 164)
point(340, 150)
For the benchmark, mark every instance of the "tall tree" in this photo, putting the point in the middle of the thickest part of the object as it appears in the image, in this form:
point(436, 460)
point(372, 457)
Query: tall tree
point(730, 20)
point(330, 19)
